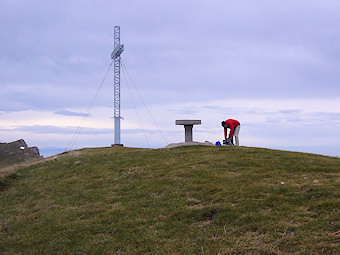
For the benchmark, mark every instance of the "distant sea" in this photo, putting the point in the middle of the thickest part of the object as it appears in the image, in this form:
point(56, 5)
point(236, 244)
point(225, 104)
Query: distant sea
point(326, 150)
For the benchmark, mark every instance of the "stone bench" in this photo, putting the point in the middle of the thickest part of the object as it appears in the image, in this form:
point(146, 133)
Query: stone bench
point(188, 125)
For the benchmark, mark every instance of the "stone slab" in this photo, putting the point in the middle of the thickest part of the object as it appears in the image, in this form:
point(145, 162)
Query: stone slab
point(174, 145)
point(188, 122)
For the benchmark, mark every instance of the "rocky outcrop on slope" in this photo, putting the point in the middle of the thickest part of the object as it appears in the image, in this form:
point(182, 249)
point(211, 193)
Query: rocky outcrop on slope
point(17, 151)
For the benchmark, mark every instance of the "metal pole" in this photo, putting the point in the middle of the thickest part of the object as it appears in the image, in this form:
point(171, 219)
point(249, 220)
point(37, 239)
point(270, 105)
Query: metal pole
point(117, 87)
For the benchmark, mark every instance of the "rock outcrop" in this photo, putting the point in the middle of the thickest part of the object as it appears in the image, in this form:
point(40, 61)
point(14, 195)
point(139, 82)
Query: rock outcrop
point(17, 151)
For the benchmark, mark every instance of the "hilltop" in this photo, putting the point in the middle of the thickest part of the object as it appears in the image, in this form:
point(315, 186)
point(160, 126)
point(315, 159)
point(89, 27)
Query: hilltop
point(188, 200)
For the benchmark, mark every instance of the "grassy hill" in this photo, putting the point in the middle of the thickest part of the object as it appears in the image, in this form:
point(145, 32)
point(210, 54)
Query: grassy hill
point(189, 200)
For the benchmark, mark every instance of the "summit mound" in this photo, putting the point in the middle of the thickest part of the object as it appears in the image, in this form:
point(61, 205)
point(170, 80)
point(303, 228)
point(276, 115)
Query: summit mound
point(186, 200)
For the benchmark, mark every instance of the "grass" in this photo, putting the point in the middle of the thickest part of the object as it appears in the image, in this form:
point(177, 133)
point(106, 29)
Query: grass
point(189, 200)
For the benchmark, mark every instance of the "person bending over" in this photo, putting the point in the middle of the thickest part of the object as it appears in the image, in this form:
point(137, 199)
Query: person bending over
point(234, 126)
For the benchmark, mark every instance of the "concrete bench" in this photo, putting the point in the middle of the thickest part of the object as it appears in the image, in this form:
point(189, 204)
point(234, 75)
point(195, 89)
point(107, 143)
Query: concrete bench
point(188, 125)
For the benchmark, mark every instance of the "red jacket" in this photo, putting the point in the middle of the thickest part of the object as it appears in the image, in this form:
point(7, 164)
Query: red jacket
point(232, 125)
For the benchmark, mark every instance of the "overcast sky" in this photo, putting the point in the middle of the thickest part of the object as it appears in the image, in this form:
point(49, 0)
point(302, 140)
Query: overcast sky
point(272, 65)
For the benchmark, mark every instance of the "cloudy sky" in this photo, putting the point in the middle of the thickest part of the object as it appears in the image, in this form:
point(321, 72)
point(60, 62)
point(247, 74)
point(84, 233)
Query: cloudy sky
point(272, 65)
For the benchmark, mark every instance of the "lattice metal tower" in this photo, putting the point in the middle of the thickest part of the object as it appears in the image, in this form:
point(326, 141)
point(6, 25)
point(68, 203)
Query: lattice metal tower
point(115, 55)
